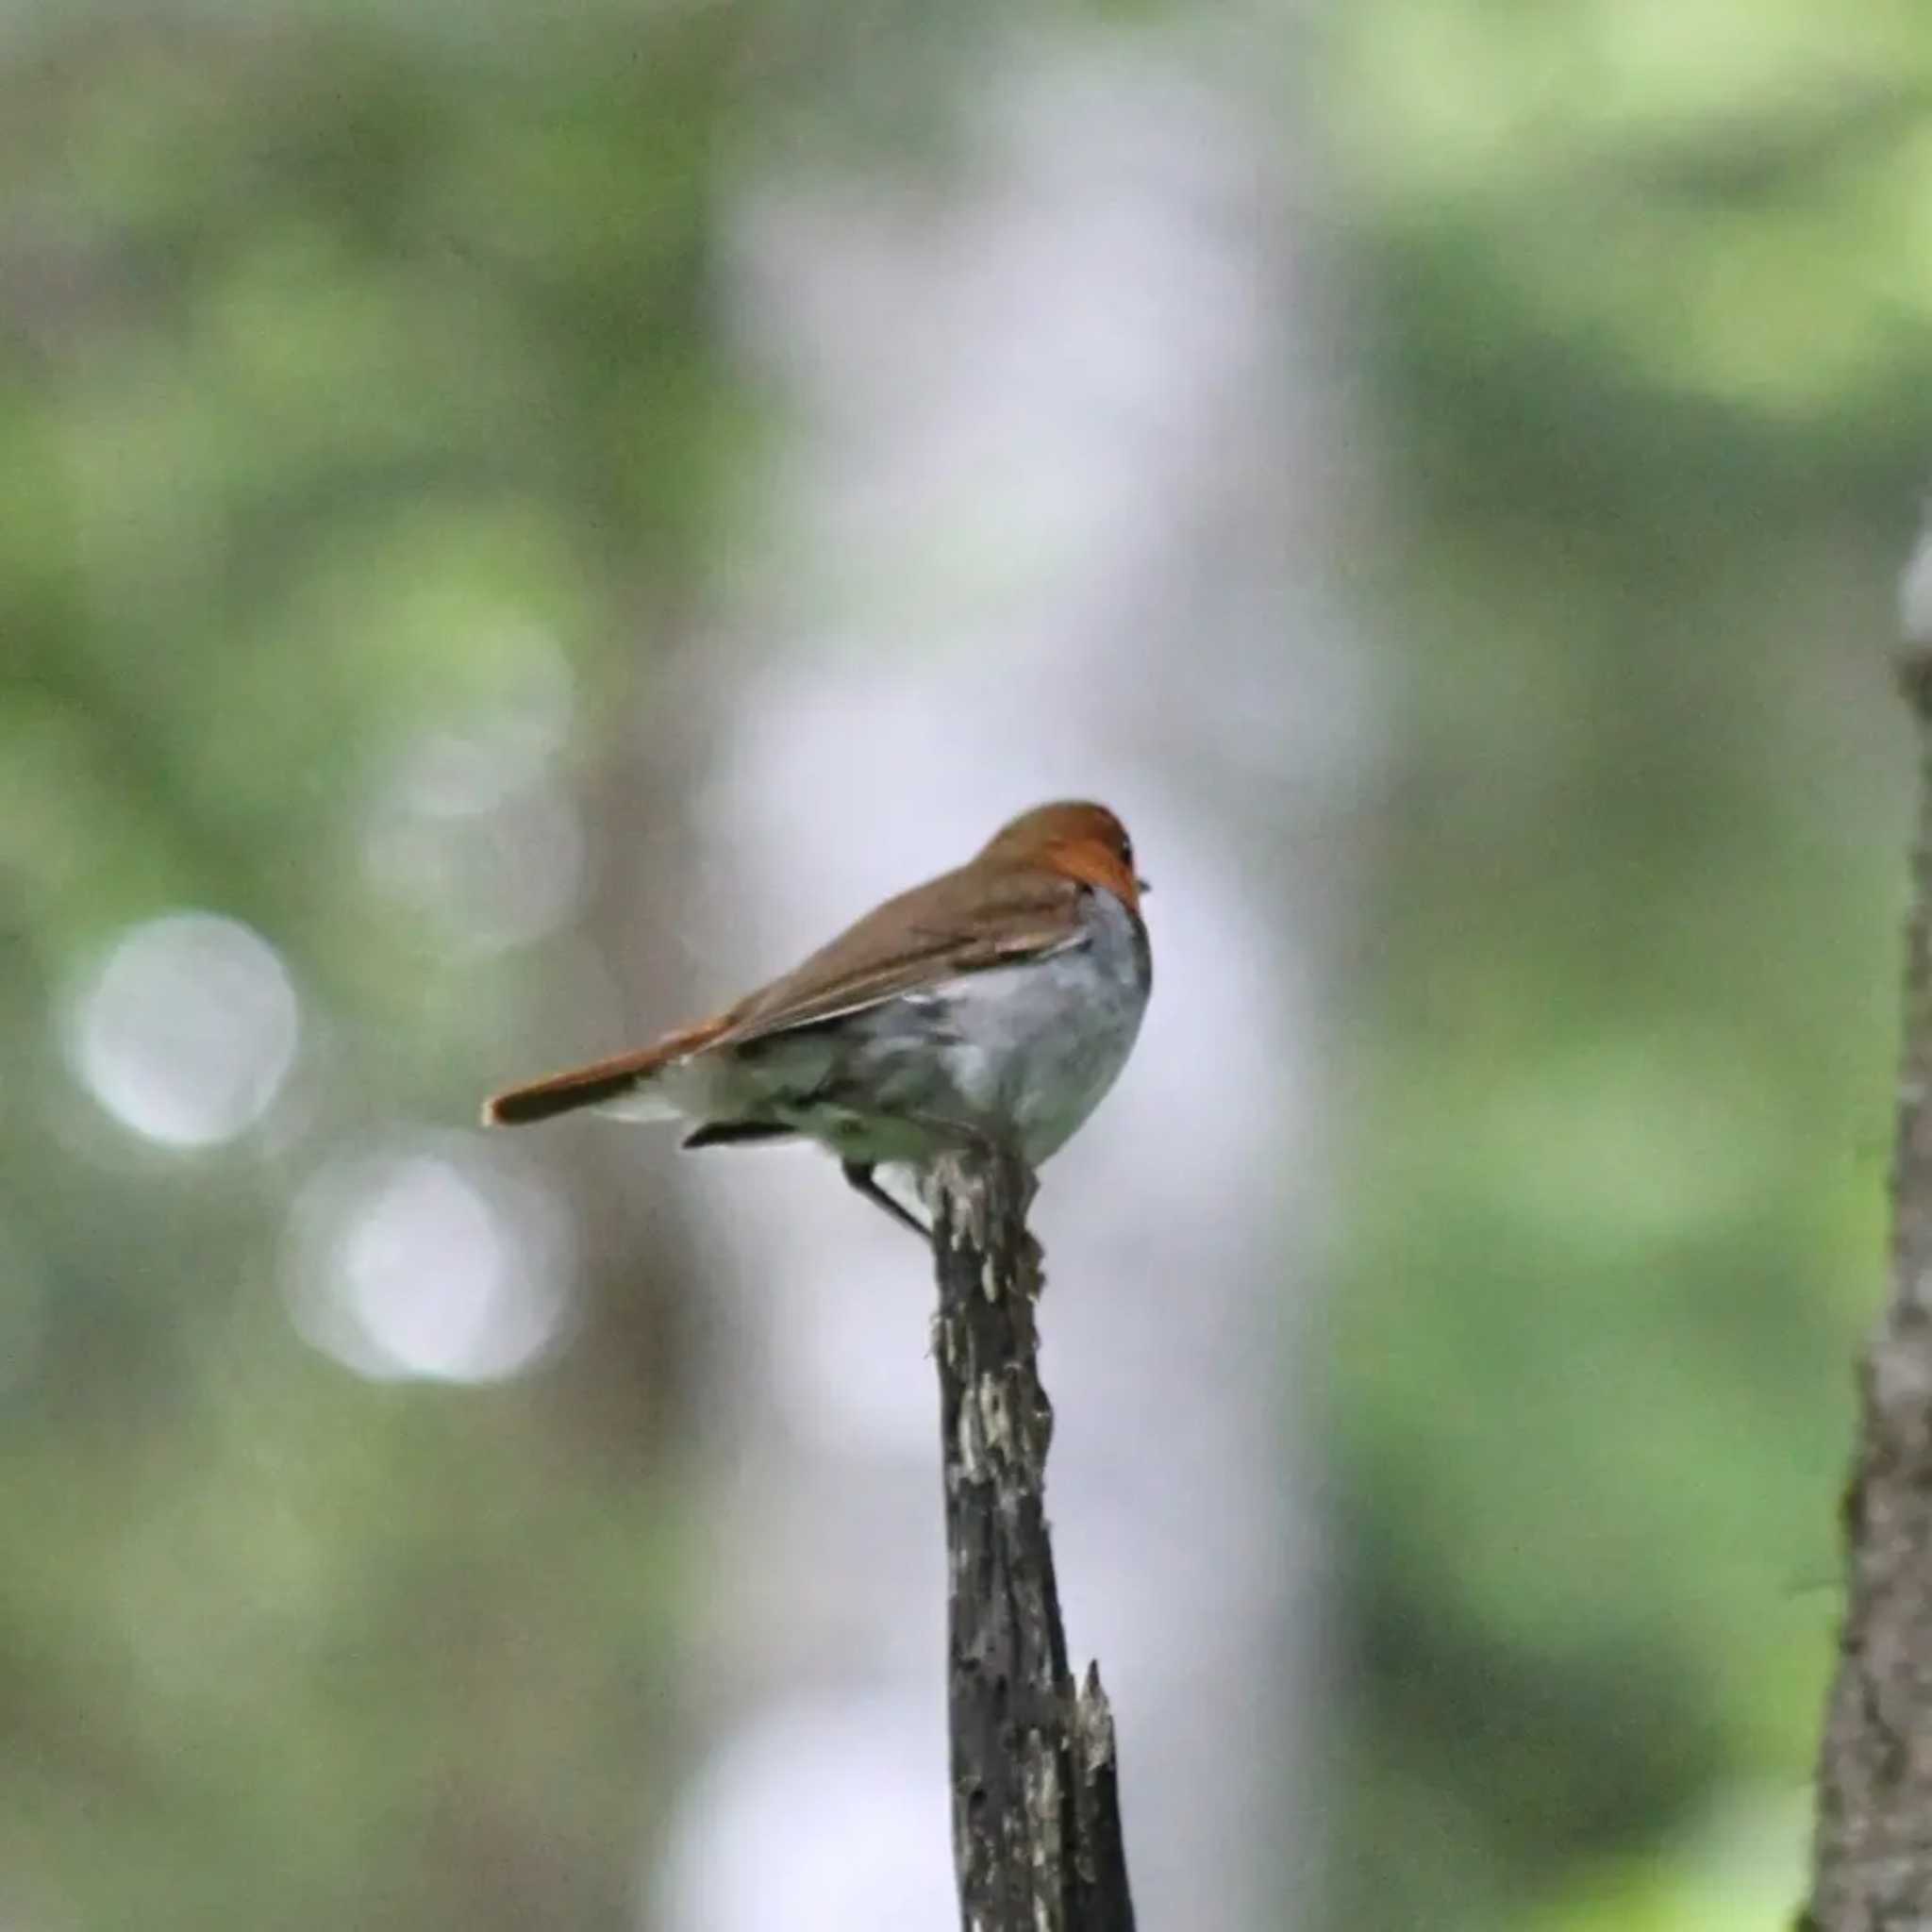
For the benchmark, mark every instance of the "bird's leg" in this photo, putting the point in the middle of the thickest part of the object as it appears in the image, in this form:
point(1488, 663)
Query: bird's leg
point(1006, 1167)
point(1002, 1163)
point(859, 1176)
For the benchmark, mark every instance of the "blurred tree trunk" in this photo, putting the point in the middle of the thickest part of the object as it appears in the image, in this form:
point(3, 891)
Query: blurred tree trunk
point(1873, 1845)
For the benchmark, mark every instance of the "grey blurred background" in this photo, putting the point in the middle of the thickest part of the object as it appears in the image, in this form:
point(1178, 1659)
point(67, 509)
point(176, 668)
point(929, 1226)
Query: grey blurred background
point(515, 524)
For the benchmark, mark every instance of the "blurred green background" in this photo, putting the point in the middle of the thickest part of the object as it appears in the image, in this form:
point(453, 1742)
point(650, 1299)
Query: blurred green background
point(367, 395)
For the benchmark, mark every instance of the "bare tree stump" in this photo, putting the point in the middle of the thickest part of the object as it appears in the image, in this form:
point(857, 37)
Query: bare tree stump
point(1036, 1814)
point(1873, 1853)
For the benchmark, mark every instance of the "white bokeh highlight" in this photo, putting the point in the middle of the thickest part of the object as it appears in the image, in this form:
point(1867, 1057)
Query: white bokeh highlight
point(187, 1030)
point(425, 1263)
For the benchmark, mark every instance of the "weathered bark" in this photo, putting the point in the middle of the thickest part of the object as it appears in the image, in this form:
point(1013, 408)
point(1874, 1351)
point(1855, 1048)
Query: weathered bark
point(1873, 1853)
point(1036, 1814)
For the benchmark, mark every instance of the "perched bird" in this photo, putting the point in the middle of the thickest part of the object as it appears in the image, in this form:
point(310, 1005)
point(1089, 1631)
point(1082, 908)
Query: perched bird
point(991, 1007)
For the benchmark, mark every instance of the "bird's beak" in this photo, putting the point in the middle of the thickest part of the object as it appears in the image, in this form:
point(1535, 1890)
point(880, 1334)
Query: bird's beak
point(1143, 885)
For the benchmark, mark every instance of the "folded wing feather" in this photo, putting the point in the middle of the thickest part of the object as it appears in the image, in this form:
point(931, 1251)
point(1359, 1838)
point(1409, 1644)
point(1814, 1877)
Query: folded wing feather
point(919, 939)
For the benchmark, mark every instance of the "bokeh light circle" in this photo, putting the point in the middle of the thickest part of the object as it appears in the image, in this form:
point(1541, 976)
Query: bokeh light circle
point(187, 1030)
point(424, 1264)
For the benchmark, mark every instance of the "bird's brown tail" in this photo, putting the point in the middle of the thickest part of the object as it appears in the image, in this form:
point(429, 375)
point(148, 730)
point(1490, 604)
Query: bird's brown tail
point(600, 1082)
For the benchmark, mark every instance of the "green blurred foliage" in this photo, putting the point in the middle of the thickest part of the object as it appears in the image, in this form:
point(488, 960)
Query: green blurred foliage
point(350, 372)
point(1650, 337)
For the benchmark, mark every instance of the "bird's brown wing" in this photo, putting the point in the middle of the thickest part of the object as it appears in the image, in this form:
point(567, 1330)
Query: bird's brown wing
point(948, 926)
point(935, 932)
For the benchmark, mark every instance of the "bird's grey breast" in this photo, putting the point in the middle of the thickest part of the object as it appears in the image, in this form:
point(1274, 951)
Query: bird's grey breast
point(1036, 1044)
